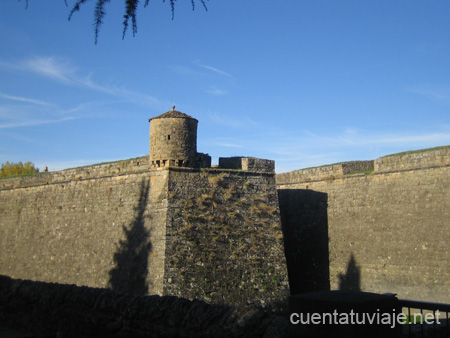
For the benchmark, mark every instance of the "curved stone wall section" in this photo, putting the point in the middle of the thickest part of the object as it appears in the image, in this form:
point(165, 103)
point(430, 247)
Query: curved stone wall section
point(388, 231)
point(425, 159)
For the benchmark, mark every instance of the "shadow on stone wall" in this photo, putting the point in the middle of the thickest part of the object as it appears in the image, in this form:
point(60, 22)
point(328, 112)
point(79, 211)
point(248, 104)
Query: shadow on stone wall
point(131, 258)
point(58, 310)
point(304, 220)
point(351, 280)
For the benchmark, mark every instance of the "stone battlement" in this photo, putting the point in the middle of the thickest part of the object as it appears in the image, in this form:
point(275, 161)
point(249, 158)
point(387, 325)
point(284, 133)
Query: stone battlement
point(391, 163)
point(325, 172)
point(247, 164)
point(134, 165)
point(412, 161)
point(131, 166)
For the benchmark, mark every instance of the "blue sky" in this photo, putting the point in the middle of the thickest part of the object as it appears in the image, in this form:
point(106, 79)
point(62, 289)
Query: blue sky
point(302, 82)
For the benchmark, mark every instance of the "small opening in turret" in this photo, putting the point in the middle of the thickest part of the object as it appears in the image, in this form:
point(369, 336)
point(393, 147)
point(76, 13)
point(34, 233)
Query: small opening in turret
point(168, 137)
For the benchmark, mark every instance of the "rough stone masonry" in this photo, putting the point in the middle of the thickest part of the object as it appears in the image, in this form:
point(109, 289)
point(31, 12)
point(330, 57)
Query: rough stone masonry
point(379, 226)
point(169, 224)
point(164, 225)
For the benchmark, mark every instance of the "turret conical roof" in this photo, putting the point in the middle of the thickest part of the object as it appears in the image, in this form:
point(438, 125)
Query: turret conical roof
point(172, 114)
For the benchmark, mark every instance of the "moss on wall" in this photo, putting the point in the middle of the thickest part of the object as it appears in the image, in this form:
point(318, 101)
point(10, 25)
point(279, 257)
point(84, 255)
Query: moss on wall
point(226, 243)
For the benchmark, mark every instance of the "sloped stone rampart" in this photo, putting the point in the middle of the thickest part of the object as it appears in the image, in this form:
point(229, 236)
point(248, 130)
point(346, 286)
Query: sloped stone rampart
point(327, 172)
point(419, 160)
point(136, 165)
point(388, 231)
point(84, 230)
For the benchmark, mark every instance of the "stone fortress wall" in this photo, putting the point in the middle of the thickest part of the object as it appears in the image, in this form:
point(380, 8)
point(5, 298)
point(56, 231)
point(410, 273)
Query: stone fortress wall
point(225, 240)
point(116, 225)
point(206, 233)
point(215, 233)
point(67, 226)
point(381, 231)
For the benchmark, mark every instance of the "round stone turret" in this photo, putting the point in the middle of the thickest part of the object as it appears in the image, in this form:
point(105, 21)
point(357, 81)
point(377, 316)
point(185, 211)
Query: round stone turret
point(173, 140)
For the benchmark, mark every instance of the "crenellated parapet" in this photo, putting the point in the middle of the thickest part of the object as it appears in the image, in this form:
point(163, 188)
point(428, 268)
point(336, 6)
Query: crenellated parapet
point(247, 164)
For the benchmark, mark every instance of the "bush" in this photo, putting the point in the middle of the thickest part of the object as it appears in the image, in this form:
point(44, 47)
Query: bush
point(14, 169)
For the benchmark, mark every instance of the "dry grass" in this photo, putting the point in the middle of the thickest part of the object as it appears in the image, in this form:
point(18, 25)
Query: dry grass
point(267, 208)
point(214, 180)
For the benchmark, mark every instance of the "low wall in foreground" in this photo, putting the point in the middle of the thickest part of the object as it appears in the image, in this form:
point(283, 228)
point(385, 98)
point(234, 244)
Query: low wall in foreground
point(57, 310)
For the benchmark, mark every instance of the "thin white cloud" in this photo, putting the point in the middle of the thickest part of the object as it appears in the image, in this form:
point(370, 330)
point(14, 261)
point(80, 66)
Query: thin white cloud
point(141, 98)
point(89, 107)
point(61, 70)
point(228, 145)
point(27, 113)
point(217, 91)
point(367, 138)
point(304, 149)
point(51, 67)
point(219, 81)
point(24, 99)
point(425, 138)
point(226, 120)
point(213, 69)
point(21, 137)
point(441, 93)
point(34, 122)
point(184, 71)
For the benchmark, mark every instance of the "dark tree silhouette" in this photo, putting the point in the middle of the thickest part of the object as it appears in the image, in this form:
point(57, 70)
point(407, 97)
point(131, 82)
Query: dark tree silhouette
point(131, 258)
point(130, 12)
